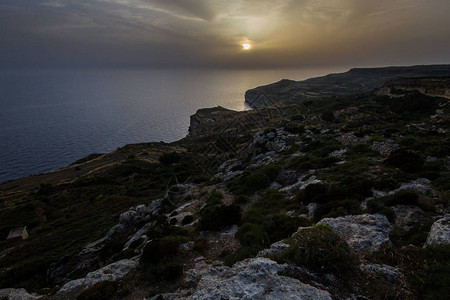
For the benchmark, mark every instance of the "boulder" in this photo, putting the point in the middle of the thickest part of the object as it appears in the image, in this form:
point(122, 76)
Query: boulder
point(390, 273)
point(385, 148)
point(363, 233)
point(407, 216)
point(127, 217)
point(17, 294)
point(311, 207)
point(111, 272)
point(254, 278)
point(420, 185)
point(275, 249)
point(439, 232)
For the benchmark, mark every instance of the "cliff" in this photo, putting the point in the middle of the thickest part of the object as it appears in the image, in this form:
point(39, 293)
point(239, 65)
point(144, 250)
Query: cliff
point(358, 80)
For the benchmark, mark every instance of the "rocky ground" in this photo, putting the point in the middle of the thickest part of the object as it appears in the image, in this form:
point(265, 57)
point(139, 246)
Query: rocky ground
point(337, 198)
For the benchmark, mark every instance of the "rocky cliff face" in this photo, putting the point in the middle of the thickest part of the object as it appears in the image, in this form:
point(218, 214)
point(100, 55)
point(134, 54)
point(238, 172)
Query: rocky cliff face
point(435, 87)
point(352, 82)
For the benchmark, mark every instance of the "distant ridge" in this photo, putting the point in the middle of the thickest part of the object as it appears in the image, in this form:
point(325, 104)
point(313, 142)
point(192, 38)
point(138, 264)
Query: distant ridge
point(356, 80)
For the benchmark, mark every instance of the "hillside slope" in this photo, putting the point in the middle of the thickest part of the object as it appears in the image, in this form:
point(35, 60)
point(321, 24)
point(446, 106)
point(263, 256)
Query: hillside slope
point(334, 198)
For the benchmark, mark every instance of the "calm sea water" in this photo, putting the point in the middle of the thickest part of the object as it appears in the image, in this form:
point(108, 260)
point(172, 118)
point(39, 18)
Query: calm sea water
point(50, 118)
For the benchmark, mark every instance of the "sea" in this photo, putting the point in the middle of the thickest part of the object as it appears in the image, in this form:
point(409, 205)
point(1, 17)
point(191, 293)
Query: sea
point(50, 118)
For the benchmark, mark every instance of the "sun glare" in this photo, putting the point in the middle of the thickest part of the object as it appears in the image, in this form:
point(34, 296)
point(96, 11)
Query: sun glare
point(246, 46)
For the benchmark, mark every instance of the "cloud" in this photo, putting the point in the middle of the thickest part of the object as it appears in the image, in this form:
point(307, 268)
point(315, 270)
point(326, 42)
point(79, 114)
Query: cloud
point(209, 33)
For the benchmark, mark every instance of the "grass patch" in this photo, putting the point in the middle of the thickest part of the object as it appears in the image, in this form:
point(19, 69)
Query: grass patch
point(427, 270)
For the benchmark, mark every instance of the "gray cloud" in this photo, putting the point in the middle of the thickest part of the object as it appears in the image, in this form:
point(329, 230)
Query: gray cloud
point(189, 33)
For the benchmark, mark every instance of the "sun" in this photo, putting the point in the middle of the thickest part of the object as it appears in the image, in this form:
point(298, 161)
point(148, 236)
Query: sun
point(246, 46)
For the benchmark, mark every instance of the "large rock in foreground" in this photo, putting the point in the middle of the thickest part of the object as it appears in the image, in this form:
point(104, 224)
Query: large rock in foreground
point(439, 232)
point(254, 278)
point(363, 233)
point(111, 272)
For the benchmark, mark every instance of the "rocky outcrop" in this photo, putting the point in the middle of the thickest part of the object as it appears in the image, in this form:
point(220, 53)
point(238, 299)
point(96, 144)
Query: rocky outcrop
point(255, 278)
point(439, 232)
point(390, 273)
point(437, 87)
point(17, 294)
point(385, 148)
point(365, 233)
point(275, 249)
point(111, 272)
point(207, 116)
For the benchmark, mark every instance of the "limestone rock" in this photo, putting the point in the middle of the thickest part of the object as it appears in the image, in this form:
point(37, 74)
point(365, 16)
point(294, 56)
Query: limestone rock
point(275, 249)
point(385, 148)
point(254, 278)
point(111, 272)
point(300, 184)
point(127, 217)
point(390, 273)
point(366, 233)
point(311, 207)
point(17, 294)
point(407, 216)
point(420, 185)
point(439, 232)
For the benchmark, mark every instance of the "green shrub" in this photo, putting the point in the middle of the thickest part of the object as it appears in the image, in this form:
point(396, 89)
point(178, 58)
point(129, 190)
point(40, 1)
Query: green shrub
point(416, 235)
point(401, 198)
point(321, 250)
point(217, 217)
point(427, 270)
point(254, 179)
point(280, 226)
point(337, 208)
point(103, 290)
point(314, 193)
point(214, 199)
point(169, 158)
point(250, 235)
point(442, 183)
point(241, 199)
point(158, 249)
point(328, 116)
point(376, 206)
point(406, 160)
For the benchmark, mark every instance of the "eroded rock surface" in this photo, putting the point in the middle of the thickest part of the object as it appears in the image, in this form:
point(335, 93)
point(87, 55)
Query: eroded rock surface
point(439, 232)
point(366, 233)
point(111, 272)
point(254, 278)
point(17, 294)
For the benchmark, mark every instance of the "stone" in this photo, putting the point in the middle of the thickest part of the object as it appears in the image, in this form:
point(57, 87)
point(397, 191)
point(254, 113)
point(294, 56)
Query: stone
point(17, 294)
point(111, 272)
point(420, 185)
point(275, 249)
point(439, 232)
point(311, 207)
point(363, 233)
point(140, 233)
point(390, 273)
point(300, 184)
point(338, 153)
point(407, 216)
point(275, 185)
point(385, 148)
point(253, 278)
point(229, 165)
point(127, 217)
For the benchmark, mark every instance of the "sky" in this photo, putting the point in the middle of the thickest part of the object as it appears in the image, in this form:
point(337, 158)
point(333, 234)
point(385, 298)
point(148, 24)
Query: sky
point(210, 33)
